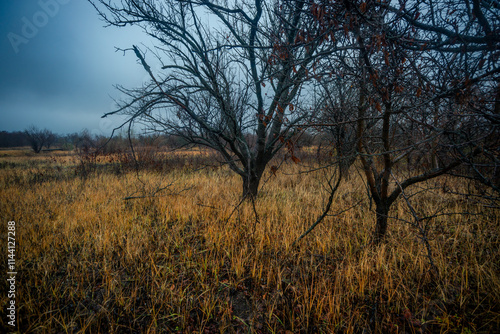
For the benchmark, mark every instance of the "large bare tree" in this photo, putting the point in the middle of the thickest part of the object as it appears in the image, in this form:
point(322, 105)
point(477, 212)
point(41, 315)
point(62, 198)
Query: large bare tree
point(231, 76)
point(421, 72)
point(465, 47)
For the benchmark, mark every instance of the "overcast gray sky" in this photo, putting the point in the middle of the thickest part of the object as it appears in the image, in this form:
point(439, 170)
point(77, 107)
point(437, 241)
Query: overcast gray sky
point(58, 66)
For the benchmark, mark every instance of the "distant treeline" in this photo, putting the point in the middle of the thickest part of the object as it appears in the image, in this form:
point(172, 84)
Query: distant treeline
point(49, 140)
point(86, 139)
point(13, 139)
point(24, 138)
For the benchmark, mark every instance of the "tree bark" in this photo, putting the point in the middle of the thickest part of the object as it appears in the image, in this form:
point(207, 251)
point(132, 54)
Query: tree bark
point(251, 182)
point(382, 213)
point(250, 186)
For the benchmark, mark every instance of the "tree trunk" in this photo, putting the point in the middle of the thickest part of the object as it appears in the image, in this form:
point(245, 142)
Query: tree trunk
point(251, 185)
point(434, 159)
point(382, 213)
point(346, 151)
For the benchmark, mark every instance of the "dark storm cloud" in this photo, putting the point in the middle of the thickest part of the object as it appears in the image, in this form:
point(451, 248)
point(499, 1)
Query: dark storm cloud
point(58, 65)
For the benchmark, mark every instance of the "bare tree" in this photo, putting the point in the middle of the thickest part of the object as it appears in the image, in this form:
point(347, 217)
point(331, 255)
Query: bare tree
point(418, 72)
point(463, 46)
point(230, 71)
point(336, 108)
point(39, 138)
point(50, 140)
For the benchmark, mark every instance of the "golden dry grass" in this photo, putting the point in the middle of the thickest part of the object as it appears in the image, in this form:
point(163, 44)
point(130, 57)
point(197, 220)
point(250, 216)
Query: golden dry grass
point(190, 260)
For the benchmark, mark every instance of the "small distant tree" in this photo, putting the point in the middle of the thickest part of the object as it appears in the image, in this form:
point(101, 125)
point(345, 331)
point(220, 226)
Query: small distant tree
point(38, 138)
point(50, 139)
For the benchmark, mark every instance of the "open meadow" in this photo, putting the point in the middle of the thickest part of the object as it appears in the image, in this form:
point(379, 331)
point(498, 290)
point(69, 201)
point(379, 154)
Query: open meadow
point(103, 247)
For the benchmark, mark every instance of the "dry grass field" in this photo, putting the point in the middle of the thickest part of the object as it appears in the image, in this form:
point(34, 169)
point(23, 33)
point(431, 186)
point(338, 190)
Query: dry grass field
point(191, 260)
